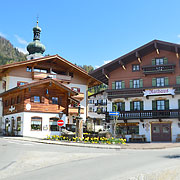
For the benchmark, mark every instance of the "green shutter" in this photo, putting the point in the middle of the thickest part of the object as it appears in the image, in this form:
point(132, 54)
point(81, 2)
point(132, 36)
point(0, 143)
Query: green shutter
point(177, 79)
point(166, 104)
point(165, 60)
point(131, 83)
point(113, 85)
point(141, 105)
point(153, 62)
point(122, 84)
point(113, 109)
point(166, 81)
point(141, 83)
point(131, 106)
point(153, 81)
point(123, 106)
point(178, 103)
point(153, 105)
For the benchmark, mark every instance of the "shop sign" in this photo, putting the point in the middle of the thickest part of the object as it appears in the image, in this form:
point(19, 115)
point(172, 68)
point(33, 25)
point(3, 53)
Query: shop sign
point(151, 92)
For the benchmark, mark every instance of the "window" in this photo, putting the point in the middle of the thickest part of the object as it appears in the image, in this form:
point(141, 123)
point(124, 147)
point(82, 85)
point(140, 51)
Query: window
point(160, 82)
point(12, 101)
point(90, 109)
point(120, 106)
point(159, 61)
point(53, 124)
point(118, 84)
point(29, 69)
point(127, 128)
point(40, 70)
point(37, 99)
point(136, 83)
point(19, 123)
point(160, 105)
point(36, 123)
point(54, 100)
point(135, 67)
point(18, 99)
point(136, 106)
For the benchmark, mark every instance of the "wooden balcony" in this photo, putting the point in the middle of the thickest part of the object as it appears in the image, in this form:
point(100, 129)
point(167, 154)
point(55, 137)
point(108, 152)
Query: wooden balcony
point(125, 93)
point(157, 69)
point(74, 110)
point(40, 75)
point(79, 97)
point(149, 114)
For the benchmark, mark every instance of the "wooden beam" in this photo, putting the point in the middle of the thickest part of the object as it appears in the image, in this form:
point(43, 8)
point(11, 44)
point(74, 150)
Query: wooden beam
point(104, 71)
point(156, 47)
point(122, 64)
point(176, 50)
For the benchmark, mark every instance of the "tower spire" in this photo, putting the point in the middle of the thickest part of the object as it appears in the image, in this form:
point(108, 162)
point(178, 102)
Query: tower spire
point(35, 48)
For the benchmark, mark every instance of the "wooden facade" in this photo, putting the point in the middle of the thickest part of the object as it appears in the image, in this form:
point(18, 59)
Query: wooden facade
point(19, 99)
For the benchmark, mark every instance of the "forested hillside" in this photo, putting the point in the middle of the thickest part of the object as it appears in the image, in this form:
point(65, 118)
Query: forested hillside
point(9, 54)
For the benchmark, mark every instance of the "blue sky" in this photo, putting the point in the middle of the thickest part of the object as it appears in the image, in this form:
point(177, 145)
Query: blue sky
point(90, 32)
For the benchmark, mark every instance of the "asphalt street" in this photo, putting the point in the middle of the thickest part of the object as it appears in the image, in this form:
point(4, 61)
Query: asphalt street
point(20, 160)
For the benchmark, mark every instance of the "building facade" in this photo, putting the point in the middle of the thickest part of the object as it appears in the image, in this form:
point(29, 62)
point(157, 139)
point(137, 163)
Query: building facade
point(59, 73)
point(144, 87)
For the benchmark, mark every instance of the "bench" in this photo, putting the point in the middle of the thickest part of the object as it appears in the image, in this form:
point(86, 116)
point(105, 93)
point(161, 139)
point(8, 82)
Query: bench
point(137, 138)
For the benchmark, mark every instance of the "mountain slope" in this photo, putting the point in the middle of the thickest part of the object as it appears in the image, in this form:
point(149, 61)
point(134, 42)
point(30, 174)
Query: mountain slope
point(8, 53)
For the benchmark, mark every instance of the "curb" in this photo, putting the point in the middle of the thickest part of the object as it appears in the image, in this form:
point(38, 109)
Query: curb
point(99, 146)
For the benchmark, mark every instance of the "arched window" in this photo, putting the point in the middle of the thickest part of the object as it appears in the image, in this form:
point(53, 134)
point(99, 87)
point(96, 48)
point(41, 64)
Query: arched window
point(36, 123)
point(53, 124)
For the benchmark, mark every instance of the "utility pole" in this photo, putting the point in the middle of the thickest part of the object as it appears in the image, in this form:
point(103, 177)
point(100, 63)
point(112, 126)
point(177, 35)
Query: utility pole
point(79, 124)
point(115, 120)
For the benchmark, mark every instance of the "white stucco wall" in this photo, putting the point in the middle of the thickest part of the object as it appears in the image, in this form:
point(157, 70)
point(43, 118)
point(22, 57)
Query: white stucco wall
point(26, 123)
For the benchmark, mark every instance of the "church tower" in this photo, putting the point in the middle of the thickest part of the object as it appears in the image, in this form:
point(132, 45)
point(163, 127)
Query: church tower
point(35, 48)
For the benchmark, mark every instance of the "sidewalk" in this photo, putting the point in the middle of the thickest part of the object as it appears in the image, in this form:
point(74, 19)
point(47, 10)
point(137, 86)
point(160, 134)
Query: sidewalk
point(101, 146)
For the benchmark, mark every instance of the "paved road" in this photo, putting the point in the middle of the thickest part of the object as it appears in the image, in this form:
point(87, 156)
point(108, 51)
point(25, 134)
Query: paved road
point(20, 160)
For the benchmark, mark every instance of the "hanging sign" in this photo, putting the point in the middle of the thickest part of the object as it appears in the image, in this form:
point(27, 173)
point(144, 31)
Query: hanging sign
point(159, 91)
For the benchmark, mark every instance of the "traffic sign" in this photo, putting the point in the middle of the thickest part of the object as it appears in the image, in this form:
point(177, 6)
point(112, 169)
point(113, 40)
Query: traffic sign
point(60, 122)
point(114, 113)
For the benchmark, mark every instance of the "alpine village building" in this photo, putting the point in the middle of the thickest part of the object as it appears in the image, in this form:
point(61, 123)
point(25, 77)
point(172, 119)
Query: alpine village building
point(144, 87)
point(38, 92)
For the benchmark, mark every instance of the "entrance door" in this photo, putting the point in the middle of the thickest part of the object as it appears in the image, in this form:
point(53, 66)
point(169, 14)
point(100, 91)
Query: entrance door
point(161, 132)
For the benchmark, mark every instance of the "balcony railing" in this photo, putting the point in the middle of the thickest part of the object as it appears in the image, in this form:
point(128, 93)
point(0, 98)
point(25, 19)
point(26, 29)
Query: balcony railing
point(74, 110)
point(40, 75)
point(124, 93)
point(156, 69)
point(148, 114)
point(101, 104)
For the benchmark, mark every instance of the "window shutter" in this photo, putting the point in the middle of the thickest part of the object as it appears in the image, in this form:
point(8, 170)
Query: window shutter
point(123, 106)
point(131, 83)
point(154, 105)
point(141, 105)
point(166, 81)
point(153, 62)
point(113, 109)
point(177, 79)
point(113, 85)
point(178, 103)
point(166, 104)
point(141, 83)
point(165, 60)
point(131, 106)
point(32, 99)
point(122, 84)
point(153, 81)
point(42, 99)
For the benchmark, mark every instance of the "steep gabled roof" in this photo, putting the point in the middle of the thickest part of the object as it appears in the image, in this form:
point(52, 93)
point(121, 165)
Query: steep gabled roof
point(37, 83)
point(101, 73)
point(47, 58)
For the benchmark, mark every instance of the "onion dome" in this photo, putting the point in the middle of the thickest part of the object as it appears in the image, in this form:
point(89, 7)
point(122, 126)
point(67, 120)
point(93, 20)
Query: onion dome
point(36, 47)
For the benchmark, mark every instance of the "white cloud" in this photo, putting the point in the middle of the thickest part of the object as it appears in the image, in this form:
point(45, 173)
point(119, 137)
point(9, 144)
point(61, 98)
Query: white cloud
point(21, 40)
point(105, 62)
point(178, 35)
point(23, 50)
point(2, 35)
